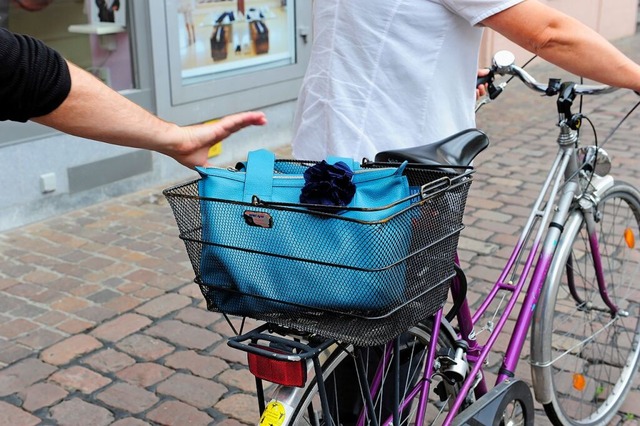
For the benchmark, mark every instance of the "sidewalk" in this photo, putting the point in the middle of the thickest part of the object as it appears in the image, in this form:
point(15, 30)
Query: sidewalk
point(100, 323)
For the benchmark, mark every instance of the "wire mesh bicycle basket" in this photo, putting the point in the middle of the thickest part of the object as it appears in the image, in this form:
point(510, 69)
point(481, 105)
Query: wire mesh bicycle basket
point(365, 283)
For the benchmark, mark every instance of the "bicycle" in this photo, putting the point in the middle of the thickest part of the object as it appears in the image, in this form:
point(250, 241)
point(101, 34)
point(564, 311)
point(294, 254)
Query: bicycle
point(574, 264)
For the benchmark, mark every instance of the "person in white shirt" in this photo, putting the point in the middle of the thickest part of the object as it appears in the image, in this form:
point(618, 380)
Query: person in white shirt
point(390, 74)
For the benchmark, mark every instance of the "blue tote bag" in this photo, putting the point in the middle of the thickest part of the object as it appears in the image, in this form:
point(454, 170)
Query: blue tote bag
point(264, 251)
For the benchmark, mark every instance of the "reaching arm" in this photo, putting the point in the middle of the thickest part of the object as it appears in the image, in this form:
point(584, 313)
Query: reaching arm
point(93, 110)
point(37, 84)
point(565, 42)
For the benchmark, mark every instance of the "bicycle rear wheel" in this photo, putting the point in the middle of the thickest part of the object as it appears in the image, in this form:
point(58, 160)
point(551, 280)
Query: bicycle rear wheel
point(346, 395)
point(583, 359)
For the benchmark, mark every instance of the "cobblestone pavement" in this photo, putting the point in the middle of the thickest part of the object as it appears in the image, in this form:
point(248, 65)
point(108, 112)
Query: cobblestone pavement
point(100, 323)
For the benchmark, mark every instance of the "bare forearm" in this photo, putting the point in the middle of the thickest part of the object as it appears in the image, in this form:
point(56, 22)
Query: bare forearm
point(567, 43)
point(94, 111)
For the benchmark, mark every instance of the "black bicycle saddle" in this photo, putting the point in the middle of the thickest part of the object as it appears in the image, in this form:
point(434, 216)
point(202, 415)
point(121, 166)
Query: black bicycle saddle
point(457, 150)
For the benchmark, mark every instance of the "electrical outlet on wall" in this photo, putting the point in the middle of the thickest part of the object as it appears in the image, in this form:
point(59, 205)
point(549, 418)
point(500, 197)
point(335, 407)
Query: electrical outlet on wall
point(48, 183)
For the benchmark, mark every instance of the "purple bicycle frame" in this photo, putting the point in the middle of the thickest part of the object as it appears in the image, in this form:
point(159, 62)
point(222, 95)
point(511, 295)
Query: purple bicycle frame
point(477, 353)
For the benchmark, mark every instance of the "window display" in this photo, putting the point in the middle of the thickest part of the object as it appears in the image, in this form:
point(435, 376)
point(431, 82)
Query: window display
point(218, 38)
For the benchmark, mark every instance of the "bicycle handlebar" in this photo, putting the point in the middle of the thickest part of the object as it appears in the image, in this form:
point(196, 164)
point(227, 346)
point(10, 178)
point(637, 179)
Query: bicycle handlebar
point(504, 64)
point(550, 89)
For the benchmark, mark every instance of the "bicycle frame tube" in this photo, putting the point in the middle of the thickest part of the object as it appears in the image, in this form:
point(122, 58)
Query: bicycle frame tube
point(422, 387)
point(597, 261)
point(549, 229)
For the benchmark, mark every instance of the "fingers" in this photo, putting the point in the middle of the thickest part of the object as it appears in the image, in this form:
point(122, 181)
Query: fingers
point(232, 123)
point(204, 136)
point(482, 82)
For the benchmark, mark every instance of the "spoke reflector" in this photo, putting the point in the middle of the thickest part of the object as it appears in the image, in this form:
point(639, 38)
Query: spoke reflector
point(629, 238)
point(579, 382)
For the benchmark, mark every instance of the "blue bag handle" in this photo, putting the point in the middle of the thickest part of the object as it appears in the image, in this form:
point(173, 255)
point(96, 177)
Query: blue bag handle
point(353, 164)
point(259, 175)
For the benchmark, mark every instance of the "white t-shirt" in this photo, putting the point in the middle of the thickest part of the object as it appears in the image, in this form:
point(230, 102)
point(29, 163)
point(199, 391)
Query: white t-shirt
point(389, 74)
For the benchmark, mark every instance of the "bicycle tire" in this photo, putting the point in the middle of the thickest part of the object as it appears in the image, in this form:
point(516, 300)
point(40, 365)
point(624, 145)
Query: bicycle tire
point(307, 410)
point(583, 367)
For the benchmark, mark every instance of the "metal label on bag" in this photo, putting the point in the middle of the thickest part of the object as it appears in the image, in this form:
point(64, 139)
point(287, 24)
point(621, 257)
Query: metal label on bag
point(259, 219)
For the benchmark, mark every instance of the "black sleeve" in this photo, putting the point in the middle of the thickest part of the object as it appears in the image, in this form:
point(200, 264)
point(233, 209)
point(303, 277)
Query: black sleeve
point(34, 79)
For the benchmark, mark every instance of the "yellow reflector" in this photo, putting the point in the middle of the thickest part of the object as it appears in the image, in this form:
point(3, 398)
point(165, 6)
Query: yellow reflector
point(579, 382)
point(629, 238)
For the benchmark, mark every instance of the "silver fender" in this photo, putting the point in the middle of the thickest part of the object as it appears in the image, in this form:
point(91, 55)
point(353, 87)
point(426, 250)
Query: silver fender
point(540, 347)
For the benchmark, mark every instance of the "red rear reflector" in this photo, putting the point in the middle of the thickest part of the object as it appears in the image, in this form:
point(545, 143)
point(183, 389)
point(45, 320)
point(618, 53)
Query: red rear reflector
point(286, 373)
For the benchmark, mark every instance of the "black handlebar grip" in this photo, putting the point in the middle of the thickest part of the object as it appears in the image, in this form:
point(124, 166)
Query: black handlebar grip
point(485, 79)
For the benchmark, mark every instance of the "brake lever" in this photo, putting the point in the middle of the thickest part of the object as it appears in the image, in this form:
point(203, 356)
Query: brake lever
point(494, 91)
point(485, 78)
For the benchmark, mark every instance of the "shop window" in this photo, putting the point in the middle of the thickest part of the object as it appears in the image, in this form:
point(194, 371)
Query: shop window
point(223, 48)
point(90, 33)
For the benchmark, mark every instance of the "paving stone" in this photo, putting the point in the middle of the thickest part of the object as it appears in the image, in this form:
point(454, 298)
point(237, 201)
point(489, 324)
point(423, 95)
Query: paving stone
point(241, 407)
point(127, 397)
point(41, 395)
point(103, 296)
point(154, 279)
point(69, 304)
point(13, 352)
point(230, 355)
point(185, 335)
point(196, 391)
point(145, 374)
point(128, 287)
point(25, 289)
point(20, 376)
point(97, 313)
point(96, 263)
point(40, 338)
point(147, 293)
point(144, 347)
point(241, 379)
point(123, 303)
point(16, 327)
point(76, 412)
point(109, 361)
point(195, 316)
point(74, 326)
point(120, 327)
point(200, 365)
point(75, 346)
point(8, 303)
point(16, 271)
point(80, 378)
point(130, 422)
point(51, 318)
point(178, 413)
point(65, 284)
point(631, 405)
point(28, 311)
point(229, 422)
point(192, 290)
point(12, 415)
point(164, 305)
